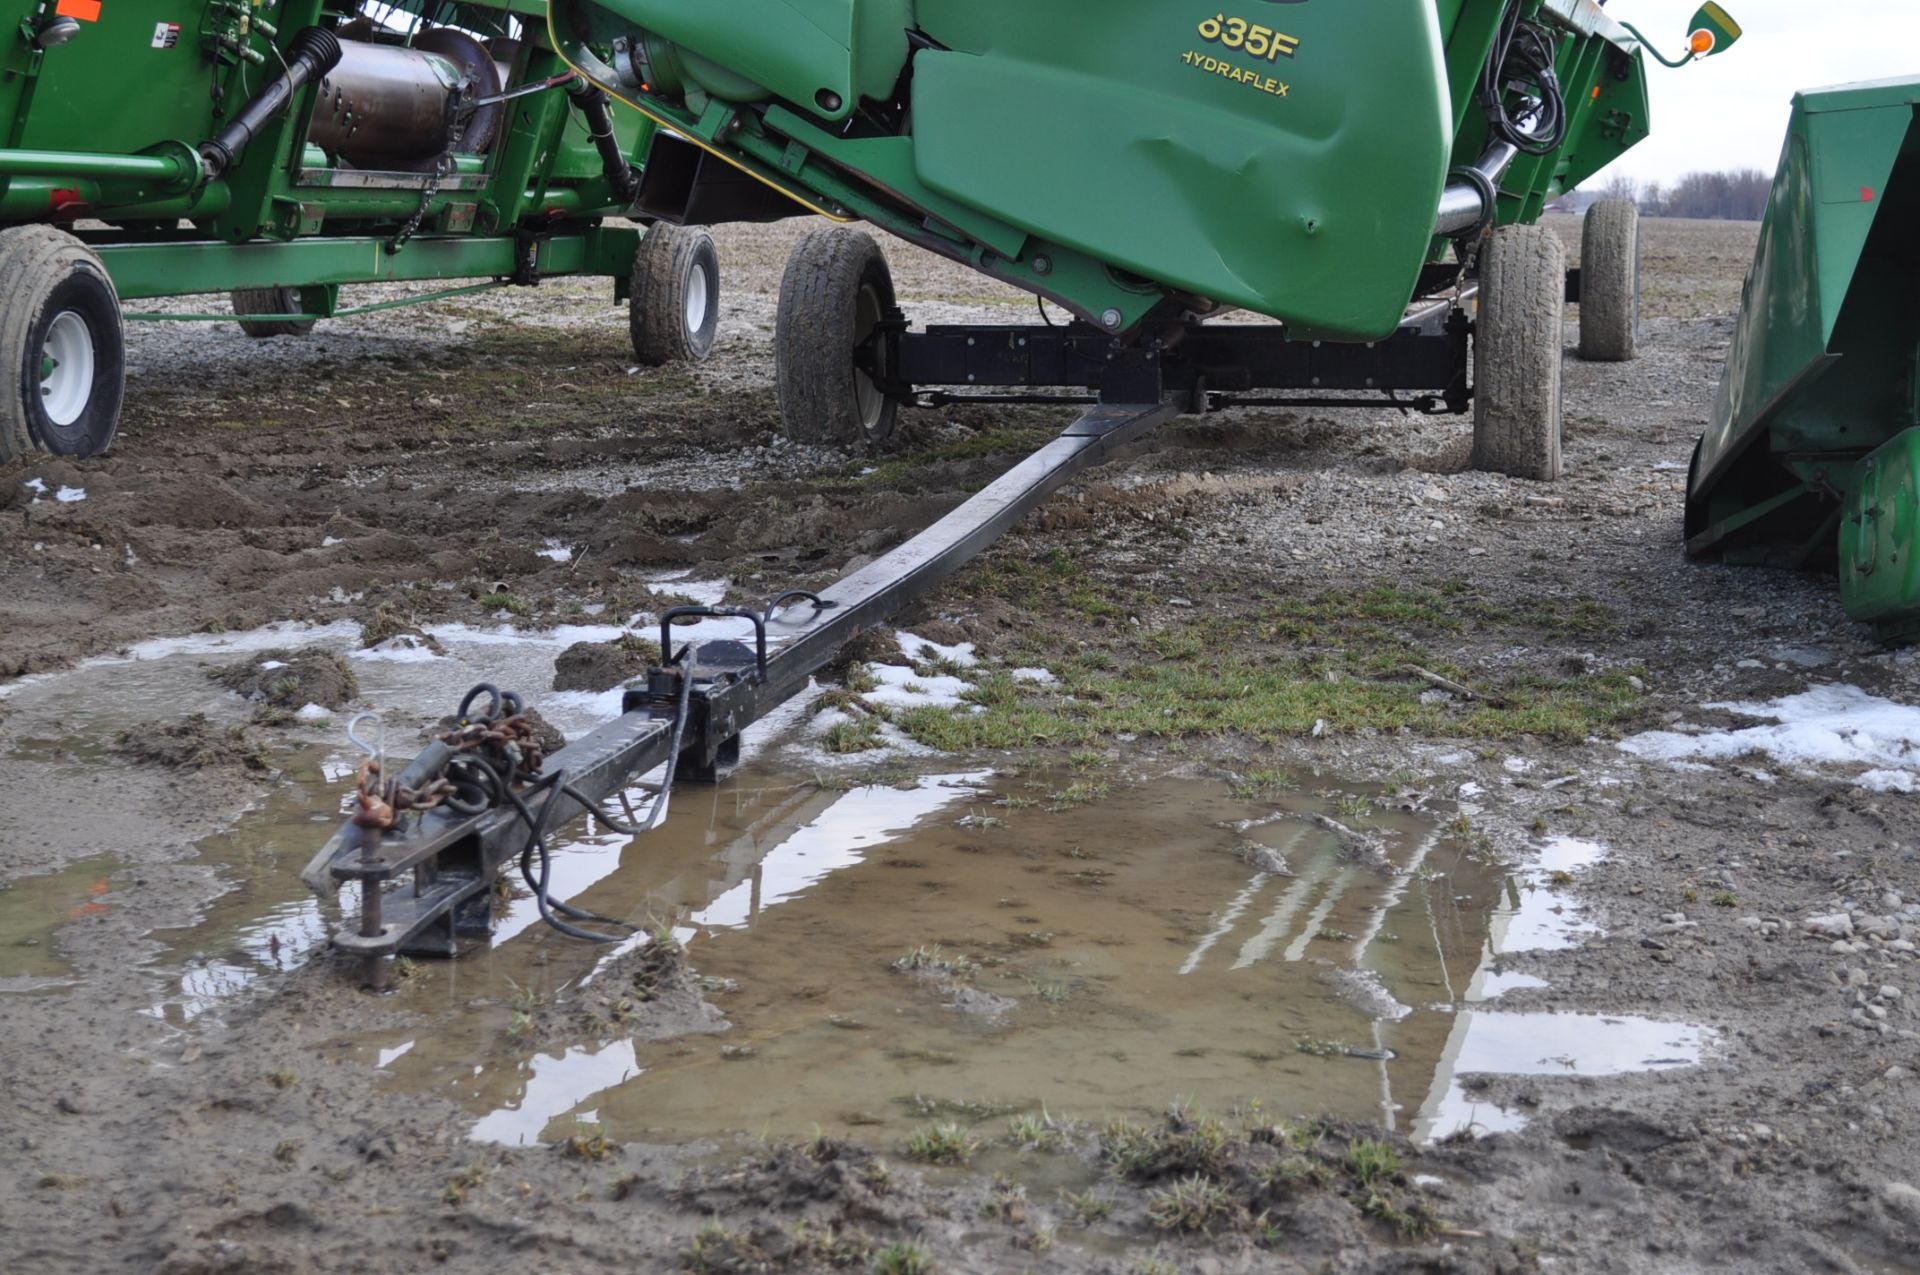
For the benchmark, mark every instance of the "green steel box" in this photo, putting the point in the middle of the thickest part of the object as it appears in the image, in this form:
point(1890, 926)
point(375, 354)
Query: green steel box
point(1879, 539)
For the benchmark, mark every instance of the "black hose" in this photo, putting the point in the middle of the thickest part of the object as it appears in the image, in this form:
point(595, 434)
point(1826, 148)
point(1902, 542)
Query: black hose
point(314, 52)
point(537, 846)
point(1522, 60)
point(599, 120)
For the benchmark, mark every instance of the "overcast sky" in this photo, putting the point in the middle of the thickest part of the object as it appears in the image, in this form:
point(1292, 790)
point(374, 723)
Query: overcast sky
point(1730, 110)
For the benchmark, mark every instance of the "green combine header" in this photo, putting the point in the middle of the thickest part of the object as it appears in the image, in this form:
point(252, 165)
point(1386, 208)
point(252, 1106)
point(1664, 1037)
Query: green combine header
point(276, 150)
point(1144, 165)
point(1812, 456)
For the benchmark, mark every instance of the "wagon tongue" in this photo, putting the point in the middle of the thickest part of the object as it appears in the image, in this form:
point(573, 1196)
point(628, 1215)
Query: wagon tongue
point(429, 845)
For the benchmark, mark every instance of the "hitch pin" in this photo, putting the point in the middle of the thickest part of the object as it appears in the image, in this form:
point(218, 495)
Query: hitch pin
point(374, 968)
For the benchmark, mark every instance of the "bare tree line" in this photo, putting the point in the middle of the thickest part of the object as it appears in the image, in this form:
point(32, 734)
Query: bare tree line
point(1738, 194)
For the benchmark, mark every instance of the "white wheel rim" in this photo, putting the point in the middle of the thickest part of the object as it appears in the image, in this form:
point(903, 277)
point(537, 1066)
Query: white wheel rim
point(66, 380)
point(867, 396)
point(697, 300)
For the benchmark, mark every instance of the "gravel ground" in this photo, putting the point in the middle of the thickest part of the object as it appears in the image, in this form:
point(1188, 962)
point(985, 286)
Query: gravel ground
point(414, 463)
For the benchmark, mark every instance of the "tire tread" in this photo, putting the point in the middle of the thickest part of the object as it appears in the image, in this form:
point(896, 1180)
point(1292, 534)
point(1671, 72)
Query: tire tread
point(814, 335)
point(33, 261)
point(656, 305)
point(1516, 354)
point(1610, 281)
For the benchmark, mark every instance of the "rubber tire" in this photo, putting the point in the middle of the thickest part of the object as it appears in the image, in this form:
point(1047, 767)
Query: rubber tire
point(1516, 353)
point(664, 269)
point(270, 301)
point(43, 273)
point(816, 328)
point(1610, 282)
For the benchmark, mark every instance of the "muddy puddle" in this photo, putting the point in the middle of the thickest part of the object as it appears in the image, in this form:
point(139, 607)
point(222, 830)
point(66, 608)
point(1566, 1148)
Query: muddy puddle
point(967, 946)
point(958, 944)
point(34, 909)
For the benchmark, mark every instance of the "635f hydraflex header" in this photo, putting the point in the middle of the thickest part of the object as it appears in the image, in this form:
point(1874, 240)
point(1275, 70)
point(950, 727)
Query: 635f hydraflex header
point(1144, 163)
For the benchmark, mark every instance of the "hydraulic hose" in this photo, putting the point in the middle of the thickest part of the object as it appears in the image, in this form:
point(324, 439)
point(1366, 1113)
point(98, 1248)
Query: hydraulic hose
point(314, 52)
point(593, 108)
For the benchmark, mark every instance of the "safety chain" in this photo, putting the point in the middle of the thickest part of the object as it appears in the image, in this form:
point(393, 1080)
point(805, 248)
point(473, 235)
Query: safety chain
point(443, 167)
point(380, 803)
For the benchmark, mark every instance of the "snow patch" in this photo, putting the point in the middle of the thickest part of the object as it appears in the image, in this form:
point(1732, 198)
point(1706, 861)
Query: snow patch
point(1834, 723)
point(919, 648)
point(903, 688)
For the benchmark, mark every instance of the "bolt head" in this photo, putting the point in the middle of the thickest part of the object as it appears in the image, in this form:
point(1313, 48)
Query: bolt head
point(1111, 318)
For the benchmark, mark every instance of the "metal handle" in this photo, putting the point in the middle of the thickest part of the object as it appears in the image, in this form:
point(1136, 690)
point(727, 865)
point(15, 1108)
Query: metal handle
point(679, 613)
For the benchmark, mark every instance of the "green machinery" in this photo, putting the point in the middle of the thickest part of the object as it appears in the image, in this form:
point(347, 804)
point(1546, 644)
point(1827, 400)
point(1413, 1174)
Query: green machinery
point(278, 149)
point(1146, 164)
point(1363, 173)
point(1813, 450)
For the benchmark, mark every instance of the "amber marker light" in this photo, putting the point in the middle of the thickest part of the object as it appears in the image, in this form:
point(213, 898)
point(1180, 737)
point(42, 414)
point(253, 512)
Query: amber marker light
point(1701, 42)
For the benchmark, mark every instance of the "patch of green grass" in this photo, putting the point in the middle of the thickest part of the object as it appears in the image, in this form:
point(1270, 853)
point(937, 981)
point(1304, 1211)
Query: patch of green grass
point(855, 735)
point(835, 1247)
point(588, 1142)
point(1261, 783)
point(1078, 793)
point(1369, 1162)
point(1192, 1203)
point(1337, 660)
point(1410, 1222)
point(1035, 1133)
point(1186, 1143)
point(1086, 1207)
point(715, 1250)
point(942, 1144)
point(1725, 899)
point(1293, 1173)
point(1264, 698)
point(1006, 1201)
point(903, 1259)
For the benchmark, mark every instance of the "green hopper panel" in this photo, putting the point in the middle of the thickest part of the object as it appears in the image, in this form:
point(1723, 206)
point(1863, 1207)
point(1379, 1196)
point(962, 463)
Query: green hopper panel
point(1784, 374)
point(1814, 423)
